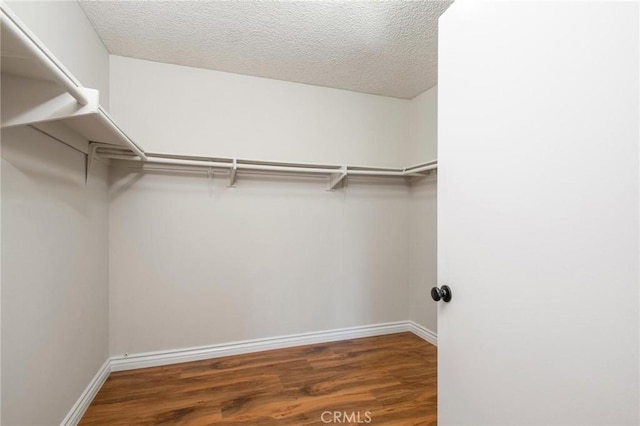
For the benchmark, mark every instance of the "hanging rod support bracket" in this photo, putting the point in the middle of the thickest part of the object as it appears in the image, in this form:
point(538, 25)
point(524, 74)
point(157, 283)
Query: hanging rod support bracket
point(93, 147)
point(335, 180)
point(233, 174)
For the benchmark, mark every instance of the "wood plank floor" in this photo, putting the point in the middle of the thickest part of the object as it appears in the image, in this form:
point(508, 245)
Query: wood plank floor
point(392, 377)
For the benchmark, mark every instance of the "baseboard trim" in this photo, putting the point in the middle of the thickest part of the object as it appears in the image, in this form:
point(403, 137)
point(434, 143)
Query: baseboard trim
point(81, 405)
point(159, 358)
point(423, 332)
point(155, 359)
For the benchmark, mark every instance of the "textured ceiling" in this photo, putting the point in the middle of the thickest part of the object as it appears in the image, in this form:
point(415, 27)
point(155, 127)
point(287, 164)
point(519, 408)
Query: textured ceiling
point(381, 47)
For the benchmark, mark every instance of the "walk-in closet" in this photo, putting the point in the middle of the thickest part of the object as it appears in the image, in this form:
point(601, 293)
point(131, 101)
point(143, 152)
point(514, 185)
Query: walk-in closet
point(320, 212)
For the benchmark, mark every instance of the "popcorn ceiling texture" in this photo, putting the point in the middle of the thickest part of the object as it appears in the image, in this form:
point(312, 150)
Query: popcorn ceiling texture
point(385, 48)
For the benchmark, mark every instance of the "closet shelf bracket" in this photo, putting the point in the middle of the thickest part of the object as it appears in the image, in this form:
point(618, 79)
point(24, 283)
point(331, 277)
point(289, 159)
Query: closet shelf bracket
point(233, 174)
point(93, 147)
point(336, 180)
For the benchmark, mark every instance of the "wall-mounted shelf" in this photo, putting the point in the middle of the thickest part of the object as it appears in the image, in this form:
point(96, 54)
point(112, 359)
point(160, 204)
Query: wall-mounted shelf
point(37, 88)
point(233, 167)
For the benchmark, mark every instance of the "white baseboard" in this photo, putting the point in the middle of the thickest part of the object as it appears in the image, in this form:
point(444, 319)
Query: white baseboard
point(423, 333)
point(81, 405)
point(154, 359)
point(158, 358)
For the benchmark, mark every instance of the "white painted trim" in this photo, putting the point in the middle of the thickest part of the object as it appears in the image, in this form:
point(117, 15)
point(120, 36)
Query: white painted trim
point(158, 358)
point(81, 405)
point(154, 359)
point(423, 333)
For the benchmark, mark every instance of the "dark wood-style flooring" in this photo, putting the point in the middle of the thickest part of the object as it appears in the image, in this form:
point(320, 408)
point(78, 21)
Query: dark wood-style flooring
point(392, 377)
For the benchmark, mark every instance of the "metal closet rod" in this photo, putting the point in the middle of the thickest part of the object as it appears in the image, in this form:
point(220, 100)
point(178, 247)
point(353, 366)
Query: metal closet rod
point(231, 165)
point(43, 57)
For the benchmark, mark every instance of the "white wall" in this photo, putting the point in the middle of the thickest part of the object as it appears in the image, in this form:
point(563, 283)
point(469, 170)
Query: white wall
point(423, 127)
point(54, 242)
point(177, 109)
point(423, 211)
point(195, 265)
point(65, 30)
point(54, 277)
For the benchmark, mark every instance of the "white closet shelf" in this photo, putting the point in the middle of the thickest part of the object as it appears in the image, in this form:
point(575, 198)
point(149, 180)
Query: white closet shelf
point(335, 174)
point(37, 88)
